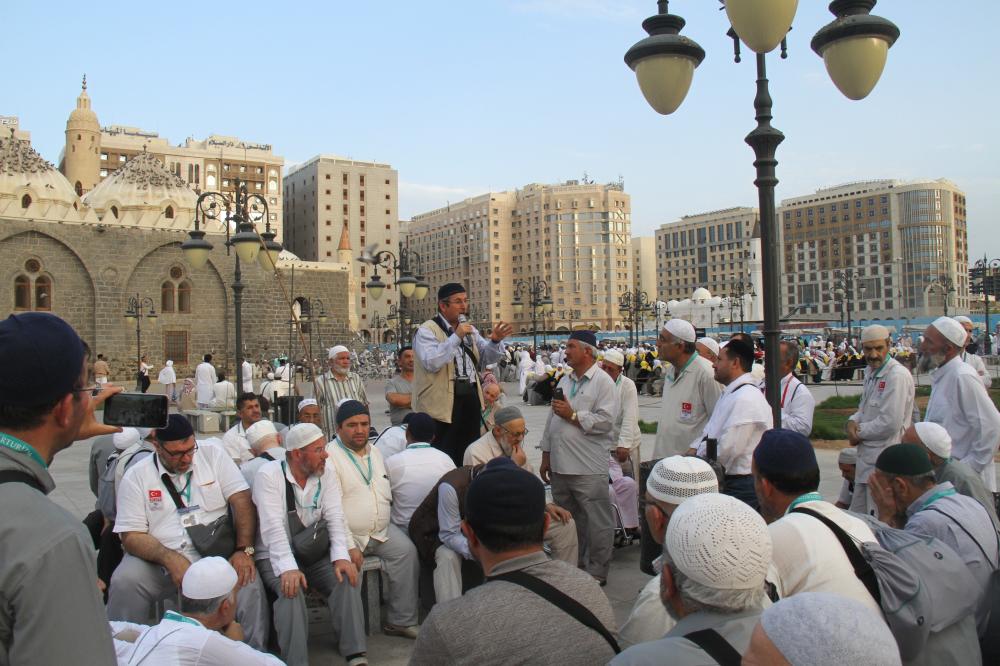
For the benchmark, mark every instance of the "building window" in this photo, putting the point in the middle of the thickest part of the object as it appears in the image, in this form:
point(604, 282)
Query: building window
point(175, 347)
point(167, 296)
point(78, 188)
point(184, 297)
point(25, 201)
point(22, 293)
point(43, 293)
point(169, 213)
point(114, 212)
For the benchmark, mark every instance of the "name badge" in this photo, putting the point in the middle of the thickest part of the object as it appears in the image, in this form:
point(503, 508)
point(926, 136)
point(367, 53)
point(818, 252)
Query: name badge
point(881, 385)
point(155, 500)
point(190, 515)
point(686, 409)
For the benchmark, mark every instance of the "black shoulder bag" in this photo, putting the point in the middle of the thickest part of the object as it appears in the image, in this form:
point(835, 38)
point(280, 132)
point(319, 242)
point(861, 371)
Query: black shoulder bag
point(715, 646)
point(17, 476)
point(309, 544)
point(218, 538)
point(463, 387)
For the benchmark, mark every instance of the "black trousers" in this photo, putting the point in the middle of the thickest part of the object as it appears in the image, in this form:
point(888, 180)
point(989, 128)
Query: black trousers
point(466, 418)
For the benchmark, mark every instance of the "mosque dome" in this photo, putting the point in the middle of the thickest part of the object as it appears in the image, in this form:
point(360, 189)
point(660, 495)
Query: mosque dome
point(701, 294)
point(26, 179)
point(288, 256)
point(144, 192)
point(83, 117)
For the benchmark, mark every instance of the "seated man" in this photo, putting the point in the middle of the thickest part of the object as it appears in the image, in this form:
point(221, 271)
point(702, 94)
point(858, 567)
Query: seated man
point(309, 412)
point(715, 557)
point(393, 439)
point(399, 389)
point(847, 461)
point(505, 522)
point(506, 439)
point(224, 395)
point(302, 494)
point(624, 492)
point(235, 439)
point(492, 392)
point(205, 630)
point(414, 471)
point(366, 496)
point(265, 445)
point(180, 486)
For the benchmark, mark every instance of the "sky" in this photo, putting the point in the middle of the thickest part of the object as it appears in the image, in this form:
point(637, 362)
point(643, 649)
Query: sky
point(466, 97)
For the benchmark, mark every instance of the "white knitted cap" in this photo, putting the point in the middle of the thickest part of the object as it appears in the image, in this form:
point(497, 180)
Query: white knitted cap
point(126, 438)
point(209, 578)
point(337, 350)
point(678, 478)
point(954, 332)
point(614, 356)
point(711, 343)
point(720, 542)
point(962, 319)
point(302, 434)
point(307, 402)
point(681, 329)
point(848, 456)
point(934, 437)
point(259, 431)
point(874, 333)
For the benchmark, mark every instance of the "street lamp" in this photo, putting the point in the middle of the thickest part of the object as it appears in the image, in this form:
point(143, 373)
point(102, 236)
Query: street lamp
point(139, 307)
point(306, 317)
point(946, 286)
point(739, 290)
point(406, 269)
point(241, 211)
point(987, 269)
point(539, 300)
point(854, 48)
point(632, 305)
point(845, 281)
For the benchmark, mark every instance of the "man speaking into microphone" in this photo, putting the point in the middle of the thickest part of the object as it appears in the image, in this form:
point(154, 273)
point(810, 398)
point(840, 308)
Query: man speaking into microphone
point(446, 383)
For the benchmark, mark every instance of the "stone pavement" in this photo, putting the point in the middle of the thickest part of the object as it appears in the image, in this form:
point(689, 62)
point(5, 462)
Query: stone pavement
point(624, 581)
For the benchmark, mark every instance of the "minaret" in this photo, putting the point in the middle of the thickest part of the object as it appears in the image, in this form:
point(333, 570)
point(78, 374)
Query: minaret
point(344, 257)
point(82, 159)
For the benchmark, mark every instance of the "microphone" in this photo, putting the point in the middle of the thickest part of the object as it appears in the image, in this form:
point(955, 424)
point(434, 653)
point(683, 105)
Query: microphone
point(461, 320)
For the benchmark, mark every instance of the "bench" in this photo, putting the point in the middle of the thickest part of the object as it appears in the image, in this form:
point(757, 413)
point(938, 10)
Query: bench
point(371, 600)
point(203, 420)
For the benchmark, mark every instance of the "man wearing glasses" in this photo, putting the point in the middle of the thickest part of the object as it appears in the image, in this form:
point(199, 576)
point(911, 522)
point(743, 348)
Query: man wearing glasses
point(153, 527)
point(506, 439)
point(446, 383)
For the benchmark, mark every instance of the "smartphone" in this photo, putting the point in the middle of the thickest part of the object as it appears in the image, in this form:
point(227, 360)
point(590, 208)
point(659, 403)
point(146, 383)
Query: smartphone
point(557, 394)
point(136, 410)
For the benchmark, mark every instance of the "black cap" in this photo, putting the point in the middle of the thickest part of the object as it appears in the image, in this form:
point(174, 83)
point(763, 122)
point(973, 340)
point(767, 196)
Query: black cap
point(504, 494)
point(41, 358)
point(178, 428)
point(349, 409)
point(587, 337)
point(420, 427)
point(450, 289)
point(783, 450)
point(904, 460)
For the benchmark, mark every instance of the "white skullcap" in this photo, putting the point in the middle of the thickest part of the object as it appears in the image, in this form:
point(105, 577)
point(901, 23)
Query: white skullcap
point(549, 368)
point(962, 319)
point(678, 478)
point(170, 364)
point(302, 434)
point(259, 431)
point(821, 629)
point(954, 332)
point(270, 375)
point(308, 402)
point(711, 343)
point(720, 542)
point(848, 456)
point(209, 578)
point(126, 438)
point(934, 437)
point(874, 333)
point(144, 432)
point(615, 357)
point(680, 329)
point(337, 350)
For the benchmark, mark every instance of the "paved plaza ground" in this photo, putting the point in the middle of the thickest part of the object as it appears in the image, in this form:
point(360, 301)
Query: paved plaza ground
point(624, 582)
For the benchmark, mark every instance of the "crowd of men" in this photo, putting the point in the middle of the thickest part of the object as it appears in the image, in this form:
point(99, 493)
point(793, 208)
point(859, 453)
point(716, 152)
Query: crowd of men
point(210, 551)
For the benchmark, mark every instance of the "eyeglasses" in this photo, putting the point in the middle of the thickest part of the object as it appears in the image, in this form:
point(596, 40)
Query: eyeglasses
point(463, 301)
point(515, 435)
point(94, 390)
point(177, 455)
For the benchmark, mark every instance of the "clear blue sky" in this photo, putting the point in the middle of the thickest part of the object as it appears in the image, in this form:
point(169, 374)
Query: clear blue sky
point(462, 97)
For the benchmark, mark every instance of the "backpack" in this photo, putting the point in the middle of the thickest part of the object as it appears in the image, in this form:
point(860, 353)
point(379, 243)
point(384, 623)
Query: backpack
point(921, 584)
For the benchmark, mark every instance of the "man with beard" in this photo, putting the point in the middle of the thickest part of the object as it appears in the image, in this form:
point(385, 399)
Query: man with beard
point(971, 358)
point(958, 400)
point(340, 383)
point(884, 414)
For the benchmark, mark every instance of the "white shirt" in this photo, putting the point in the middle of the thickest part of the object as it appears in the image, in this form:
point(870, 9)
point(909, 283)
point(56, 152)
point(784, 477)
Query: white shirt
point(247, 369)
point(144, 505)
point(626, 430)
point(434, 355)
point(319, 499)
point(797, 405)
point(689, 397)
point(185, 642)
point(979, 366)
point(412, 475)
point(807, 557)
point(224, 395)
point(250, 467)
point(391, 441)
point(740, 418)
point(960, 404)
point(366, 500)
point(648, 620)
point(236, 443)
point(205, 378)
point(884, 413)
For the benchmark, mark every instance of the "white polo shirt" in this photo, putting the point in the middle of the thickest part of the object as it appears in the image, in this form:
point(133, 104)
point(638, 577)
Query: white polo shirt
point(412, 475)
point(144, 505)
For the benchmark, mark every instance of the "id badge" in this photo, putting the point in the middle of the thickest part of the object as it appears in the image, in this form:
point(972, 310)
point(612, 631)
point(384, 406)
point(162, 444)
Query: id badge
point(190, 515)
point(687, 410)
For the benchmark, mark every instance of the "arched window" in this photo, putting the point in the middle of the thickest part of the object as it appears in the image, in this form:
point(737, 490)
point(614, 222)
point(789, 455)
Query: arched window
point(114, 212)
point(22, 293)
point(167, 296)
point(169, 213)
point(184, 296)
point(79, 188)
point(43, 293)
point(25, 201)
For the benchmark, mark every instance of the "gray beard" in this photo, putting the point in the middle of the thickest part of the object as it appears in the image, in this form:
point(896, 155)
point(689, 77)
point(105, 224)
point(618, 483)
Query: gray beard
point(928, 362)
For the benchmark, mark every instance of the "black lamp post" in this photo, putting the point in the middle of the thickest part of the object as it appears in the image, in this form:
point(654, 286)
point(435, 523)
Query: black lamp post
point(946, 286)
point(139, 307)
point(844, 282)
point(632, 305)
point(854, 48)
point(987, 268)
point(242, 211)
point(539, 300)
point(306, 317)
point(406, 269)
point(739, 290)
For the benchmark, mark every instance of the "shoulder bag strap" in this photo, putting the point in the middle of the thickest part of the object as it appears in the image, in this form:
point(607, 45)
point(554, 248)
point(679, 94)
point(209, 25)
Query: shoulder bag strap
point(172, 490)
point(17, 476)
point(962, 527)
point(862, 569)
point(715, 646)
point(560, 600)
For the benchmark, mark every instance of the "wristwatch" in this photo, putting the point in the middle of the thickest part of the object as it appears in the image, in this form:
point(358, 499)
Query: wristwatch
point(249, 550)
point(573, 418)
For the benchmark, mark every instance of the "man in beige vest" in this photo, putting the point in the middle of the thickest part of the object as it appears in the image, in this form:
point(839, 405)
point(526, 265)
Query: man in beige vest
point(446, 382)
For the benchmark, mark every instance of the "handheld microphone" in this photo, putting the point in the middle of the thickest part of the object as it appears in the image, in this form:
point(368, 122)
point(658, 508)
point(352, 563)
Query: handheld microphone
point(461, 320)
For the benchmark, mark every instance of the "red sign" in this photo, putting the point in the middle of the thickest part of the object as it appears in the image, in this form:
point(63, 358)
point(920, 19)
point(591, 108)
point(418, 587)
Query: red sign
point(881, 386)
point(686, 406)
point(155, 495)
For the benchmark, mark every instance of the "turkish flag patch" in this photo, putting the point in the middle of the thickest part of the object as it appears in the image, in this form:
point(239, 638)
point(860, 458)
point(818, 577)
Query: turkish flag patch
point(155, 495)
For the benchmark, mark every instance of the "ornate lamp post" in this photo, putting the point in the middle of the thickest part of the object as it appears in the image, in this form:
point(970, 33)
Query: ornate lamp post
point(406, 270)
point(632, 305)
point(844, 283)
point(139, 307)
point(539, 300)
point(739, 290)
point(854, 48)
point(987, 268)
point(946, 286)
point(242, 211)
point(305, 316)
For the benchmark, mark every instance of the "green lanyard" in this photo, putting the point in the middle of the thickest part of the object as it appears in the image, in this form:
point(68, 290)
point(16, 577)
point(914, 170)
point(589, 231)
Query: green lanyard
point(417, 446)
point(177, 617)
point(678, 375)
point(350, 454)
point(15, 444)
point(319, 487)
point(618, 381)
point(186, 490)
point(936, 496)
point(576, 386)
point(802, 499)
point(879, 371)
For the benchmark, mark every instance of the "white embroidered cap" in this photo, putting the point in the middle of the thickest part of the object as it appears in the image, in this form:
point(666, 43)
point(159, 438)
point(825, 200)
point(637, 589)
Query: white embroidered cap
point(209, 578)
point(679, 478)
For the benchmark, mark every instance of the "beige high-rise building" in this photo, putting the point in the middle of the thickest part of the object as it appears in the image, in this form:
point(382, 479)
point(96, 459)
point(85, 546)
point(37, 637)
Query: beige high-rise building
point(906, 243)
point(575, 237)
point(327, 194)
point(93, 153)
point(644, 266)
